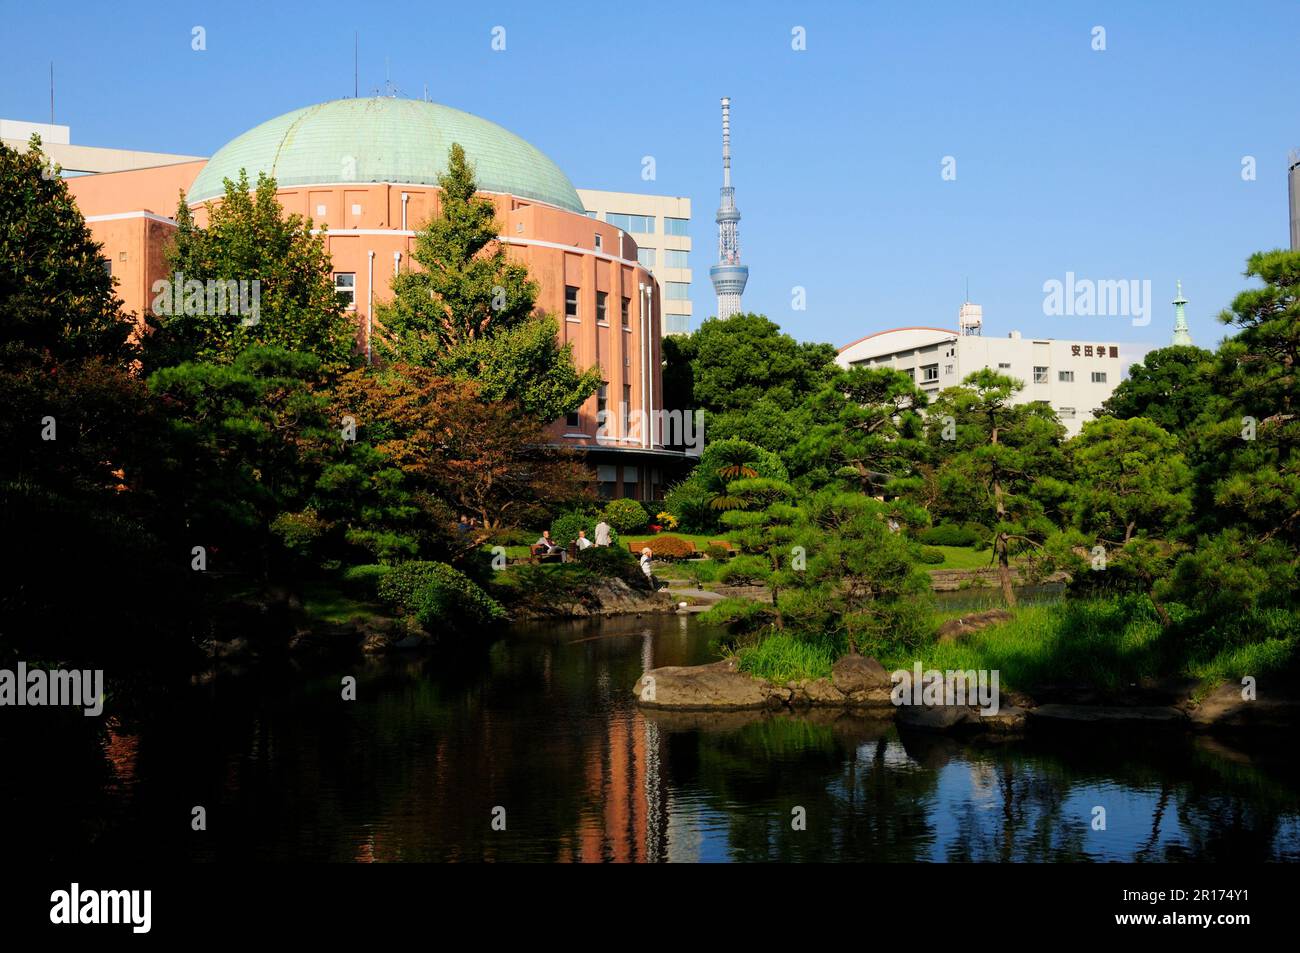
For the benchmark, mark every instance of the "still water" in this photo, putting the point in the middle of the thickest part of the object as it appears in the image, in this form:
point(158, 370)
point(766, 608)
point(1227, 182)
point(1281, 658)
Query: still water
point(540, 724)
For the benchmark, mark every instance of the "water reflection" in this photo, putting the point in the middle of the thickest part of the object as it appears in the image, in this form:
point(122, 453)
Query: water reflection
point(542, 725)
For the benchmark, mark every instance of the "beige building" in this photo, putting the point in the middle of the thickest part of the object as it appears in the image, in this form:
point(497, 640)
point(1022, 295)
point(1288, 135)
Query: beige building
point(659, 225)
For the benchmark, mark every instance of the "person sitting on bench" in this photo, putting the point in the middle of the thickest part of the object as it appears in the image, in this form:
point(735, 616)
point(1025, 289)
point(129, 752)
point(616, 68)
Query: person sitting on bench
point(545, 547)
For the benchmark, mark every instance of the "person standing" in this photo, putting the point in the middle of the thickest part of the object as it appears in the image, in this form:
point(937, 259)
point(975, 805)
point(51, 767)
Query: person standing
point(602, 533)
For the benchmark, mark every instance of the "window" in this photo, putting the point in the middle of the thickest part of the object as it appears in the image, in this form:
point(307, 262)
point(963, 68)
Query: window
point(591, 214)
point(677, 290)
point(345, 286)
point(602, 402)
point(572, 419)
point(627, 410)
point(637, 224)
point(675, 258)
point(625, 312)
point(107, 265)
point(601, 317)
point(1004, 367)
point(598, 241)
point(1066, 413)
point(1040, 375)
point(1099, 377)
point(909, 371)
point(1065, 377)
point(606, 480)
point(676, 226)
point(929, 372)
point(570, 302)
point(645, 257)
point(947, 369)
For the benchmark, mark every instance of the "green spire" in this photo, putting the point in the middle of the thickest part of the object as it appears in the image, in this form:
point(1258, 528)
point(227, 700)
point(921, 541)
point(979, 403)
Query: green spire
point(1182, 336)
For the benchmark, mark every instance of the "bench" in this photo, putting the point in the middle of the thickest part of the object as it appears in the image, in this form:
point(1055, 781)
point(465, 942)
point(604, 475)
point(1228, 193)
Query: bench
point(537, 554)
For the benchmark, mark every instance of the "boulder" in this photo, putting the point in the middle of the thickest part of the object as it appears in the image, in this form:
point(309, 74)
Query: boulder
point(955, 630)
point(936, 717)
point(1008, 719)
point(707, 687)
point(859, 674)
point(1225, 708)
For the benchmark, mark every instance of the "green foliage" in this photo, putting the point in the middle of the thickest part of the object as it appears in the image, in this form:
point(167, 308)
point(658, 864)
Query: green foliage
point(249, 238)
point(742, 615)
point(612, 562)
point(565, 527)
point(365, 577)
point(948, 534)
point(438, 595)
point(466, 287)
point(626, 516)
point(929, 555)
point(1170, 386)
point(56, 298)
point(699, 500)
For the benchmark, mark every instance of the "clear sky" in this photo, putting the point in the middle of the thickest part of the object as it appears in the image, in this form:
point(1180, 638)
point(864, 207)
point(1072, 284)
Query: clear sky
point(1117, 164)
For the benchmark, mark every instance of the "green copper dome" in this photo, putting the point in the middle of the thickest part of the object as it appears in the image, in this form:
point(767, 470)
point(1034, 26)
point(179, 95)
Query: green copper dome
point(384, 140)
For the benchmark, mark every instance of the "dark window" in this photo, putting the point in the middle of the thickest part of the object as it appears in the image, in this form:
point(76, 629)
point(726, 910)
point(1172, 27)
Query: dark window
point(570, 301)
point(571, 420)
point(600, 307)
point(627, 304)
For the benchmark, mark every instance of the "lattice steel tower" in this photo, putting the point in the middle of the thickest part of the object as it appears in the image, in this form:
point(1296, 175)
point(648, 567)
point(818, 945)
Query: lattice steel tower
point(728, 275)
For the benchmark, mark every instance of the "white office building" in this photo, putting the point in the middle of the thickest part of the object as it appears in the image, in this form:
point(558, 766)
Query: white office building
point(1074, 377)
point(659, 225)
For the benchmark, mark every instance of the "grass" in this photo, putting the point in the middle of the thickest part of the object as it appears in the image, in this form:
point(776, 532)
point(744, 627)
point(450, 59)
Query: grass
point(962, 557)
point(325, 602)
point(783, 657)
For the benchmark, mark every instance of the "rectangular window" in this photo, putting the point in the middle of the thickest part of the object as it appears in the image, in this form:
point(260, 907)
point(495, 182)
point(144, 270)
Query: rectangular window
point(1066, 413)
point(1065, 377)
point(929, 372)
point(625, 312)
point(947, 369)
point(1099, 377)
point(345, 286)
point(676, 258)
point(636, 224)
point(606, 480)
point(677, 290)
point(646, 258)
point(601, 318)
point(1040, 375)
point(597, 241)
point(602, 402)
point(107, 265)
point(627, 410)
point(675, 226)
point(591, 214)
point(571, 420)
point(1004, 367)
point(571, 302)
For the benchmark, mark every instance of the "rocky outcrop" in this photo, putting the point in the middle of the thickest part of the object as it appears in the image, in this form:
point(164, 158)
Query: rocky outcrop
point(608, 596)
point(956, 630)
point(1114, 714)
point(718, 686)
point(955, 718)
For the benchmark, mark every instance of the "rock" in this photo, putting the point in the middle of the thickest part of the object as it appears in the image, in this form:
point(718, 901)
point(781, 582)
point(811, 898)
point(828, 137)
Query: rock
point(955, 630)
point(411, 642)
point(376, 643)
point(1008, 719)
point(821, 691)
point(1225, 708)
point(936, 717)
point(1092, 714)
point(859, 674)
point(703, 687)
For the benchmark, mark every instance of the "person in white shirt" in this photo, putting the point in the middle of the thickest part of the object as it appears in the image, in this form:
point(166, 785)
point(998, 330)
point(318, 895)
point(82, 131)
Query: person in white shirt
point(602, 533)
point(582, 540)
point(646, 560)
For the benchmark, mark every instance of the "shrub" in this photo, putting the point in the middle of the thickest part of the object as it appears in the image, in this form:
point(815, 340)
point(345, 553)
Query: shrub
point(948, 534)
point(626, 516)
point(740, 614)
point(516, 536)
point(672, 547)
point(565, 528)
point(437, 593)
point(745, 571)
point(929, 555)
point(612, 562)
point(299, 532)
point(717, 551)
point(666, 519)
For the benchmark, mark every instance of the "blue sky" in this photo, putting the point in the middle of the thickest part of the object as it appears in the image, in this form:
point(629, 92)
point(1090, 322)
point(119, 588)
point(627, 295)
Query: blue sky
point(1120, 164)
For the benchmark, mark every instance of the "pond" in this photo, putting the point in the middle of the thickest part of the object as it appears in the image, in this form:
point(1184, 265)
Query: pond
point(538, 730)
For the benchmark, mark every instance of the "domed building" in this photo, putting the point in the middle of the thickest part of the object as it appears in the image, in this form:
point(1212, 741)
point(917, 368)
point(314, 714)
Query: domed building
point(366, 170)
